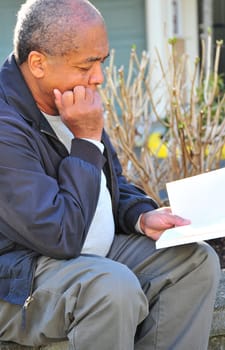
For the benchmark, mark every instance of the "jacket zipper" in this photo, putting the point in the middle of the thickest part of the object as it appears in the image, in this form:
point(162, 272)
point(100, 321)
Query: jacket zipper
point(49, 134)
point(28, 300)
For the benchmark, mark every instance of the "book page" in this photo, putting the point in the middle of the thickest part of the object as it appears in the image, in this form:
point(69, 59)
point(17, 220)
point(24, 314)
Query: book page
point(201, 199)
point(191, 233)
point(198, 197)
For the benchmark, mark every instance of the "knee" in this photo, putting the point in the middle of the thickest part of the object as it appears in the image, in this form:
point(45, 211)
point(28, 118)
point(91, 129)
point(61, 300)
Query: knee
point(200, 261)
point(121, 281)
point(210, 265)
point(121, 288)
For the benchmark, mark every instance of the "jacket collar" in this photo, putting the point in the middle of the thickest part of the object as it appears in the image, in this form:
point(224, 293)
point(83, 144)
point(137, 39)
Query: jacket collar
point(15, 91)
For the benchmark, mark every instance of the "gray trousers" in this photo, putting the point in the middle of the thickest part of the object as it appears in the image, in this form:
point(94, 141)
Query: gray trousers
point(136, 298)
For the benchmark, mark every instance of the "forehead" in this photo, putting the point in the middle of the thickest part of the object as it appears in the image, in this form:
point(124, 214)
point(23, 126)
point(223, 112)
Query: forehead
point(92, 40)
point(88, 44)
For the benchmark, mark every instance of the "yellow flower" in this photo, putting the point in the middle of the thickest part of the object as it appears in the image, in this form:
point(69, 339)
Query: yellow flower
point(156, 146)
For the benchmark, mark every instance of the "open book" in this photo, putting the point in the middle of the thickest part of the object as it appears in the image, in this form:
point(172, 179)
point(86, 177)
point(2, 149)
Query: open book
point(201, 199)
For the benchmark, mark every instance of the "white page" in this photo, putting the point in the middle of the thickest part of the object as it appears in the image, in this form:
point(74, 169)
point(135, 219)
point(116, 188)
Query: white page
point(191, 233)
point(200, 198)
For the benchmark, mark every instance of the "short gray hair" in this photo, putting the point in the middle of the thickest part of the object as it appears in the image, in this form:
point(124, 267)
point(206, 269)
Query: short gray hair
point(50, 26)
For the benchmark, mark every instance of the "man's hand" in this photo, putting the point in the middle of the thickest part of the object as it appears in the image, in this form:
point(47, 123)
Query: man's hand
point(153, 223)
point(82, 111)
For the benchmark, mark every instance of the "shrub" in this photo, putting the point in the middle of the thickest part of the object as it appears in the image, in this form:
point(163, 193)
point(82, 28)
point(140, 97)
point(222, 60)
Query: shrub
point(169, 127)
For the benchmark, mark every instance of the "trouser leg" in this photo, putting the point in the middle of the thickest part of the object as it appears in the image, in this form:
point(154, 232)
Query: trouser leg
point(180, 284)
point(94, 302)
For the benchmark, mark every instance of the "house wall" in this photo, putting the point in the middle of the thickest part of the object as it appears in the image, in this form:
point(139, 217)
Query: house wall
point(219, 30)
point(162, 25)
point(125, 20)
point(144, 23)
point(8, 11)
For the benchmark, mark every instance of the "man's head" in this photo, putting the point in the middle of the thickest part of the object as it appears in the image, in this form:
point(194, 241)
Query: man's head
point(51, 26)
point(59, 44)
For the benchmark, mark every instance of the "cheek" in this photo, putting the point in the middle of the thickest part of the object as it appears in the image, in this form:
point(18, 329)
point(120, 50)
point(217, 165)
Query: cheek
point(64, 78)
point(79, 78)
point(68, 82)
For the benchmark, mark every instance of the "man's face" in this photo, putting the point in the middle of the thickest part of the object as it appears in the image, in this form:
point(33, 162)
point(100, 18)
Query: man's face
point(81, 67)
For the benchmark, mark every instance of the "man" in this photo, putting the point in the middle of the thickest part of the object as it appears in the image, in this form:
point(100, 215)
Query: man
point(78, 258)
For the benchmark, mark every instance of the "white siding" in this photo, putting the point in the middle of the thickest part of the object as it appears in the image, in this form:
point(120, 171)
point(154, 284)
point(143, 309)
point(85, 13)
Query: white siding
point(8, 10)
point(125, 20)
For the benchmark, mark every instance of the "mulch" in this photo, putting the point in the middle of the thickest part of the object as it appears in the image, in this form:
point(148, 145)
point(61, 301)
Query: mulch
point(219, 246)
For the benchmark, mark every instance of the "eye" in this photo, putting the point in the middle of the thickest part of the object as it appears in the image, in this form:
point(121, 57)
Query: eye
point(84, 69)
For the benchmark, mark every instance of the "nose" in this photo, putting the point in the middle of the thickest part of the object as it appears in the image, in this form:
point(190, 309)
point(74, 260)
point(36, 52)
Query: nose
point(96, 76)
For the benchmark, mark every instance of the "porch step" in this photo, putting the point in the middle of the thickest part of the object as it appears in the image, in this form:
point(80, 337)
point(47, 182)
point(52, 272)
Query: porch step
point(217, 336)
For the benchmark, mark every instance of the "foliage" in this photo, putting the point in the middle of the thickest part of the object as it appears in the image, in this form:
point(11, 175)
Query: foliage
point(187, 104)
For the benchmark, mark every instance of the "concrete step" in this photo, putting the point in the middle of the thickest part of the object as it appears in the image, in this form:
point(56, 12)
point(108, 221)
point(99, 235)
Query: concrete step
point(217, 336)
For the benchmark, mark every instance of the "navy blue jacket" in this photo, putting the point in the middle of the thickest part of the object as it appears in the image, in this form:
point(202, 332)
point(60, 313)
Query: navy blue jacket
point(48, 196)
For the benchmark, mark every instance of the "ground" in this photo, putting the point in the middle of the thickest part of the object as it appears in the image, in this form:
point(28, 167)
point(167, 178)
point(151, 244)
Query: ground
point(219, 246)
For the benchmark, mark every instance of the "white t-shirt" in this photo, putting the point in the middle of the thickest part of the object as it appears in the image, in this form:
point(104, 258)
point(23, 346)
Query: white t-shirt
point(101, 231)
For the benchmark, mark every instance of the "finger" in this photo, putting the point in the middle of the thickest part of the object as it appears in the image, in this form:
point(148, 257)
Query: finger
point(58, 98)
point(89, 95)
point(67, 98)
point(98, 100)
point(179, 221)
point(79, 93)
point(97, 97)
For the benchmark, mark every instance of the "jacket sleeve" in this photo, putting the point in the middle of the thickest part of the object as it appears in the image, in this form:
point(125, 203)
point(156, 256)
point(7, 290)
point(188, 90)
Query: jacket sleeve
point(131, 200)
point(48, 211)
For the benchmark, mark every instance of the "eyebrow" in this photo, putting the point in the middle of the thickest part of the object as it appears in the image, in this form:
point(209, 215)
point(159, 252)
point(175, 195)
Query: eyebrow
point(96, 58)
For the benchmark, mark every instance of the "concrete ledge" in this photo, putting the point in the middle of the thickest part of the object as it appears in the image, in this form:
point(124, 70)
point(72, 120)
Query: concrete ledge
point(216, 340)
point(217, 336)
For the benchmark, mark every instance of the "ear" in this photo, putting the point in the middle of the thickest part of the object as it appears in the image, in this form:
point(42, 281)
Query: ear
point(37, 63)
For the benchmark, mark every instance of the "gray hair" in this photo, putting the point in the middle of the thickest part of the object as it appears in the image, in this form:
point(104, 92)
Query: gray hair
point(50, 26)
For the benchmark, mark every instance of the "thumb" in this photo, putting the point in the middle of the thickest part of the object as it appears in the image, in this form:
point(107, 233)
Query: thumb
point(180, 221)
point(58, 99)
